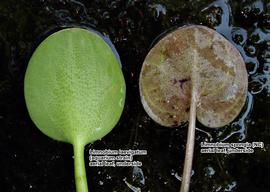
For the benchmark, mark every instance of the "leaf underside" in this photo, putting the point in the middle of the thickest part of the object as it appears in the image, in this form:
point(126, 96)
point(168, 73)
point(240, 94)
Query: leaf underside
point(165, 79)
point(74, 86)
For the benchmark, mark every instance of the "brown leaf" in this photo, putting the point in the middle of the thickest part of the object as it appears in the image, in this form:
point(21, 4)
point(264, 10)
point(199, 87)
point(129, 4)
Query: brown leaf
point(165, 80)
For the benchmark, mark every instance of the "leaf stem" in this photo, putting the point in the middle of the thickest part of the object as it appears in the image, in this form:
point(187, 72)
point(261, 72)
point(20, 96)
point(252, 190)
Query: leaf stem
point(79, 167)
point(189, 148)
point(191, 129)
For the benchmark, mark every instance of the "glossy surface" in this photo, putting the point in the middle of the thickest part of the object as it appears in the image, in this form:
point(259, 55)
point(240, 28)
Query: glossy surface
point(30, 161)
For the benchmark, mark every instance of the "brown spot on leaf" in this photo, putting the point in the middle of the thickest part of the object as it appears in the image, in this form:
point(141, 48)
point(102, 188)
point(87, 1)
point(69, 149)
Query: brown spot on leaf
point(222, 77)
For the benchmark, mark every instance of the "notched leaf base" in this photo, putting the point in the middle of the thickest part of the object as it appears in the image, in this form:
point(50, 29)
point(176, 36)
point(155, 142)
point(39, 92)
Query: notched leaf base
point(165, 80)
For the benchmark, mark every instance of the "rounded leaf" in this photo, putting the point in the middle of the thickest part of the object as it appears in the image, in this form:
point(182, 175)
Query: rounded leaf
point(74, 87)
point(165, 79)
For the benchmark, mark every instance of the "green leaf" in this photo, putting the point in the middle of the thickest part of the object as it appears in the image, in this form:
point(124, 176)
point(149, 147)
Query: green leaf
point(74, 88)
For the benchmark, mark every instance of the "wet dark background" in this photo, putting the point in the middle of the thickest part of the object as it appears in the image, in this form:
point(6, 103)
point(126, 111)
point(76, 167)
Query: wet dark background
point(30, 161)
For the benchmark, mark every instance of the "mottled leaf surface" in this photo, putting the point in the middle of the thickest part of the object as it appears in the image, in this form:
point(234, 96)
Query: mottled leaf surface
point(165, 79)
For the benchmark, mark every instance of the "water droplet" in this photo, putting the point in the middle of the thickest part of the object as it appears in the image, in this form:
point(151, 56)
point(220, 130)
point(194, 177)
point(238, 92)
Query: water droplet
point(209, 171)
point(256, 86)
point(211, 16)
point(159, 9)
point(138, 174)
point(266, 68)
point(252, 67)
point(265, 21)
point(265, 56)
point(250, 50)
point(239, 35)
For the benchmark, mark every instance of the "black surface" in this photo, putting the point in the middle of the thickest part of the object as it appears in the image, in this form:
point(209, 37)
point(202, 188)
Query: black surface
point(30, 161)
